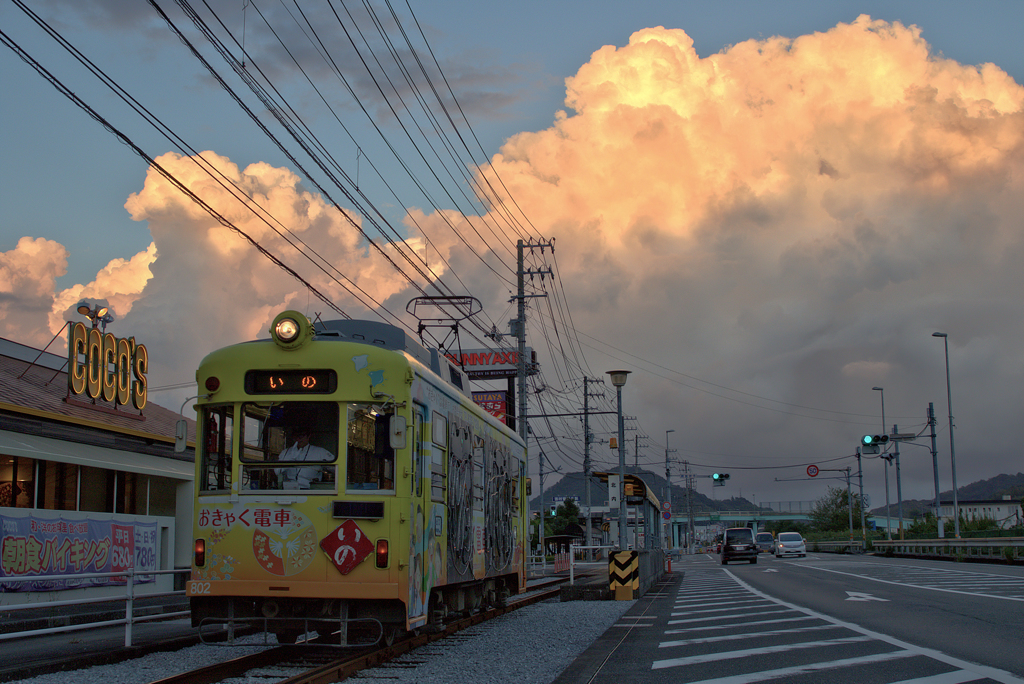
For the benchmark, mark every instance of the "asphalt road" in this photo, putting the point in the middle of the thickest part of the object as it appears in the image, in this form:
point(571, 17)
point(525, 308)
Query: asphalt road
point(972, 612)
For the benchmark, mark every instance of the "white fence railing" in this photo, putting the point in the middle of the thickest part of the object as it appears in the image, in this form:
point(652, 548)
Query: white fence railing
point(129, 598)
point(988, 548)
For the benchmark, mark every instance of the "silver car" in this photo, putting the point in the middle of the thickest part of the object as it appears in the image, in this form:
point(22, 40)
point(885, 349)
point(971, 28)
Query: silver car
point(790, 544)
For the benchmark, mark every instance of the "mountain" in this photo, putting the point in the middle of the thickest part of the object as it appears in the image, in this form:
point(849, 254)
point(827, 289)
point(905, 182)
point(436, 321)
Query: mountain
point(993, 488)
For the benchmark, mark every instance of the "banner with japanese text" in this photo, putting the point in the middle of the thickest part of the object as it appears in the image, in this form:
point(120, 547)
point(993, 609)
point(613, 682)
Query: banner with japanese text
point(495, 403)
point(36, 546)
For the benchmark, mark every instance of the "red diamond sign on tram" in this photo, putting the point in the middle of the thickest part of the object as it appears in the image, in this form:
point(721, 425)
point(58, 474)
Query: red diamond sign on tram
point(347, 546)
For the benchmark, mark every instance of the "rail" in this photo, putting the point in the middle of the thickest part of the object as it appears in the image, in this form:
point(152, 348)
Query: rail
point(129, 598)
point(1010, 549)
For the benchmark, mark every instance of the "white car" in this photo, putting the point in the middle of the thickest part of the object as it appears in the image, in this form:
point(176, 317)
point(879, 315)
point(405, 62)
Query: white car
point(790, 544)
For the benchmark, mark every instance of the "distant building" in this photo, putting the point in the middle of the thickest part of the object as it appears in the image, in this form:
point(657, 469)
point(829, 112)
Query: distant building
point(89, 478)
point(1005, 511)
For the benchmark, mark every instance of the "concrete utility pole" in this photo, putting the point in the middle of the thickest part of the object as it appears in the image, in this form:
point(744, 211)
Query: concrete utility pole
point(668, 486)
point(899, 486)
point(860, 476)
point(935, 469)
point(519, 332)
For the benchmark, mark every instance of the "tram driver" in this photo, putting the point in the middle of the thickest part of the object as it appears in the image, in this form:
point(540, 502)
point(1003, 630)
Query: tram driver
point(299, 477)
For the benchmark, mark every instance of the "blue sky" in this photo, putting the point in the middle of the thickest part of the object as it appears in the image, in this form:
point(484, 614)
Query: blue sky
point(520, 53)
point(767, 304)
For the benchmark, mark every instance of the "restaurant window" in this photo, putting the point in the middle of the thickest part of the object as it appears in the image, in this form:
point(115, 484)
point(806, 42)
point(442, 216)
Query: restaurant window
point(58, 486)
point(96, 483)
point(17, 482)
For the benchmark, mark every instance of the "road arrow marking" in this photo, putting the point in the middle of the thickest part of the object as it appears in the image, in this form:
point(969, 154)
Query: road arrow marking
point(860, 596)
point(771, 570)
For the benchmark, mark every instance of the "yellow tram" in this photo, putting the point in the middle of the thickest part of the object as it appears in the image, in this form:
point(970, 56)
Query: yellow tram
point(346, 481)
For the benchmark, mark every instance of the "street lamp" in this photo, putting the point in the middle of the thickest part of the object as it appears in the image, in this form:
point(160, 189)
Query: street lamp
point(619, 379)
point(668, 486)
point(885, 457)
point(952, 451)
point(97, 314)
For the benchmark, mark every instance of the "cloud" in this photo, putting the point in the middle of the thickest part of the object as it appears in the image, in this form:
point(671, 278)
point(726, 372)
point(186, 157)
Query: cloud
point(792, 218)
point(28, 275)
point(788, 219)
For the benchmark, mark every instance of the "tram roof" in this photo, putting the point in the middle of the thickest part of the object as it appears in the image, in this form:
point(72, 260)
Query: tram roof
point(391, 337)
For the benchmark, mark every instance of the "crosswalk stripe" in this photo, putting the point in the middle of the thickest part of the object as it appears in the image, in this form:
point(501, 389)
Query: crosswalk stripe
point(731, 625)
point(766, 675)
point(743, 653)
point(955, 677)
point(746, 635)
point(727, 617)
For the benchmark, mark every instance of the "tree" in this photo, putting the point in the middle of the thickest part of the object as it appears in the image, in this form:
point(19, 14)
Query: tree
point(831, 512)
point(566, 513)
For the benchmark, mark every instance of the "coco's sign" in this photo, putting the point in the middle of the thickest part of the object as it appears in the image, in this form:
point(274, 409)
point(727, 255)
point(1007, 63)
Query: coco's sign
point(102, 366)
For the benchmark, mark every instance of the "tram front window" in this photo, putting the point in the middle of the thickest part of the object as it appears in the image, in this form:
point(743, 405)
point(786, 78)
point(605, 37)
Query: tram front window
point(371, 459)
point(301, 434)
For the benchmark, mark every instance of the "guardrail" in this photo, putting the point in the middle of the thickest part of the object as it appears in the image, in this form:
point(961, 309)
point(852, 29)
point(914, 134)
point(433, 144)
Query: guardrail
point(1010, 549)
point(129, 598)
point(847, 546)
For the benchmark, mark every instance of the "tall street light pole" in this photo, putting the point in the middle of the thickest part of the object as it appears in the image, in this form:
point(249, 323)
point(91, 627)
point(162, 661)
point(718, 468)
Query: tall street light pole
point(619, 379)
point(668, 486)
point(885, 457)
point(952, 451)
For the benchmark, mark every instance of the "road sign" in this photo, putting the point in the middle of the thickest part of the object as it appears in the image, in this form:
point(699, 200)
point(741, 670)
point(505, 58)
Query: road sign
point(666, 515)
point(666, 505)
point(812, 470)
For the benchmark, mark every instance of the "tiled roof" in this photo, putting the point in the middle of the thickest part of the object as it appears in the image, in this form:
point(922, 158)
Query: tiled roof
point(43, 392)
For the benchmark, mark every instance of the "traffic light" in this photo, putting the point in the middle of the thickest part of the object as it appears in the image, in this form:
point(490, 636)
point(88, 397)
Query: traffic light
point(872, 444)
point(718, 479)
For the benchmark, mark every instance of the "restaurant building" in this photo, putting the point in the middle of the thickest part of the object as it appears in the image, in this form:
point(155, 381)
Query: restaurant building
point(90, 481)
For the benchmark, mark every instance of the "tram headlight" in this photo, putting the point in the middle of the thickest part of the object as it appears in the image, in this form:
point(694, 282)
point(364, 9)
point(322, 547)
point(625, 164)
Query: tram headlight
point(287, 330)
point(200, 556)
point(290, 329)
point(382, 553)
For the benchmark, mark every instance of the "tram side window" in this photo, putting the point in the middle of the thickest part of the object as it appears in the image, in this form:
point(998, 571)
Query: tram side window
point(371, 460)
point(218, 427)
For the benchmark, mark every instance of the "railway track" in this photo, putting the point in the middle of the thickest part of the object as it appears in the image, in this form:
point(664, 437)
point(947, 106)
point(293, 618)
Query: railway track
point(317, 664)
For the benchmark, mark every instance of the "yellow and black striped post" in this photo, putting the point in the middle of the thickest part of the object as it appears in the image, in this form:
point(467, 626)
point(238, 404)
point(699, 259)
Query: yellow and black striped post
point(624, 574)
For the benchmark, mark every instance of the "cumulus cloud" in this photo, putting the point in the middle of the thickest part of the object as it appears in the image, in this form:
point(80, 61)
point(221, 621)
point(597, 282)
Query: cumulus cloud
point(28, 275)
point(791, 218)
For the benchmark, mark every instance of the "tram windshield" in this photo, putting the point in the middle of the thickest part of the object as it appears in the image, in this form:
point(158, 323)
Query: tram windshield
point(295, 446)
point(301, 434)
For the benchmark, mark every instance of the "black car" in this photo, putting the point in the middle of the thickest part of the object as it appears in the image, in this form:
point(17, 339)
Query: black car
point(738, 544)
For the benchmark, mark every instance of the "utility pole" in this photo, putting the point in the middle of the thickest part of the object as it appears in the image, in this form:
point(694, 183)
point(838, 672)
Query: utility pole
point(519, 331)
point(935, 468)
point(586, 457)
point(863, 529)
point(668, 486)
point(543, 513)
point(899, 487)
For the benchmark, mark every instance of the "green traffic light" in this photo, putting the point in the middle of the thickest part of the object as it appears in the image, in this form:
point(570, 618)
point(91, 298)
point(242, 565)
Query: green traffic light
point(716, 476)
point(867, 439)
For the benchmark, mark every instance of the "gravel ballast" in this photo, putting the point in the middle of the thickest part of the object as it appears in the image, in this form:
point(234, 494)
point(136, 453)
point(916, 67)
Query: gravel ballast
point(532, 645)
